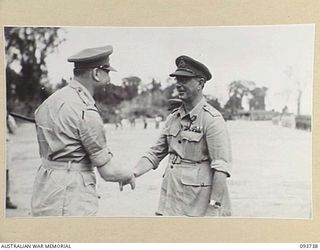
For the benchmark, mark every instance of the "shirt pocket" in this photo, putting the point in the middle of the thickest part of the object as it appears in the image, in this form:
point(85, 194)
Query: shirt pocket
point(172, 130)
point(191, 145)
point(197, 176)
point(191, 136)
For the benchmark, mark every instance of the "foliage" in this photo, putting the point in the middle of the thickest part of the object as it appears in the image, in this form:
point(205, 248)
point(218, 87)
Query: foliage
point(110, 94)
point(257, 102)
point(214, 102)
point(151, 102)
point(131, 86)
point(26, 49)
point(239, 89)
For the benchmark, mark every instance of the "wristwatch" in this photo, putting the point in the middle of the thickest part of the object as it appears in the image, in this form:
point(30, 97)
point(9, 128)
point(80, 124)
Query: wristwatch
point(215, 204)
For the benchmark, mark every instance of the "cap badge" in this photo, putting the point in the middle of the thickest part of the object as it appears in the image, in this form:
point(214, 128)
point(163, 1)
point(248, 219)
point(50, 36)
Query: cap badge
point(182, 64)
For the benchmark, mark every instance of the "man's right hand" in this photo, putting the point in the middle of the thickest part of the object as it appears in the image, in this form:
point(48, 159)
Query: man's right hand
point(117, 173)
point(131, 181)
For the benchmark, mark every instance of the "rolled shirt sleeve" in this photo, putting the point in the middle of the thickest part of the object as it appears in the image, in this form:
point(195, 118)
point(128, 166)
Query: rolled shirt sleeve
point(93, 138)
point(219, 146)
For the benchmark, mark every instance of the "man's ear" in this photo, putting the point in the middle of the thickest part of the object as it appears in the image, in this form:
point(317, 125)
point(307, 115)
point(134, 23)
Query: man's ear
point(201, 82)
point(96, 74)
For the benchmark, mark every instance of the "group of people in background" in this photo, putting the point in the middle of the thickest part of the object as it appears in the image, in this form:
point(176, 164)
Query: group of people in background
point(119, 122)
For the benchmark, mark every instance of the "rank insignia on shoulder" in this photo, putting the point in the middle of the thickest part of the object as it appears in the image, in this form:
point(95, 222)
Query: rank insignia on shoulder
point(211, 110)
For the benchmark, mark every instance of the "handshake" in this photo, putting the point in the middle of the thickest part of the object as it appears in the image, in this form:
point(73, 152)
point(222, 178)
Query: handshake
point(142, 167)
point(124, 176)
point(130, 179)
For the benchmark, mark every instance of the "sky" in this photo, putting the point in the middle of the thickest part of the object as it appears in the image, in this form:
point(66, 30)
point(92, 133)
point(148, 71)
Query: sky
point(263, 54)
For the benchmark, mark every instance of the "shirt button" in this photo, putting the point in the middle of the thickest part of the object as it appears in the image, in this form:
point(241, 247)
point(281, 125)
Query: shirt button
point(179, 141)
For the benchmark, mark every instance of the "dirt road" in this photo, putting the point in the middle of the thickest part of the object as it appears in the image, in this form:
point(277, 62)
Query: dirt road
point(271, 171)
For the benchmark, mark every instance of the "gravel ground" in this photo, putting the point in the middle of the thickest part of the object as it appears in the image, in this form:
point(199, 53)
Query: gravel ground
point(271, 178)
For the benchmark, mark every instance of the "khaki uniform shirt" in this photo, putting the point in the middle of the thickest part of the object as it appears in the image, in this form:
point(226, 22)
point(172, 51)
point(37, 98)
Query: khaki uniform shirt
point(71, 136)
point(70, 128)
point(198, 143)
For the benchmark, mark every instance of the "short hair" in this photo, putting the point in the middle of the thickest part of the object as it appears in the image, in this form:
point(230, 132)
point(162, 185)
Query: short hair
point(204, 80)
point(81, 71)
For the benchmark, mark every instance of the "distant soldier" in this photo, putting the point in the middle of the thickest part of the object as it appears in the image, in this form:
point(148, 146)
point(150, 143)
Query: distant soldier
point(72, 142)
point(132, 121)
point(157, 121)
point(196, 138)
point(284, 112)
point(11, 129)
point(145, 122)
point(118, 120)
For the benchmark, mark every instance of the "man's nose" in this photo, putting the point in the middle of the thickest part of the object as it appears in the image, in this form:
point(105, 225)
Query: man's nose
point(178, 84)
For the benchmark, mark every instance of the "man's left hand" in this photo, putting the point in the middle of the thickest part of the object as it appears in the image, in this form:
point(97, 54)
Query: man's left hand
point(219, 186)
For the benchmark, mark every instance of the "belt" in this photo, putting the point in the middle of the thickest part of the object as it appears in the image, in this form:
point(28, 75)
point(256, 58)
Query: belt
point(176, 159)
point(70, 166)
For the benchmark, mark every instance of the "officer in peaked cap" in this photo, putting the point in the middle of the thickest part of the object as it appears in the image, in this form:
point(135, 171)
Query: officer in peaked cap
point(196, 139)
point(93, 58)
point(72, 142)
point(188, 67)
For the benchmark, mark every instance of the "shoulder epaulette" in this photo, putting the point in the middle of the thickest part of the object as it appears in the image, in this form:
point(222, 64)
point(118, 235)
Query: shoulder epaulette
point(211, 110)
point(92, 108)
point(174, 110)
point(88, 108)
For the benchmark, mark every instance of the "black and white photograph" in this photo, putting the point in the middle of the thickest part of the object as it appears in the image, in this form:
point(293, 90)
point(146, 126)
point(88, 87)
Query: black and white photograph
point(210, 121)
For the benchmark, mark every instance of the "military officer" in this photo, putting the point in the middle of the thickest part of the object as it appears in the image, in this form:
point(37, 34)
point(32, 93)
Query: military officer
point(196, 138)
point(72, 142)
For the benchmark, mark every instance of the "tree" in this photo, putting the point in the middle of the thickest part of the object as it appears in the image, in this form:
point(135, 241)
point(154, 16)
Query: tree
point(26, 50)
point(213, 102)
point(237, 90)
point(257, 102)
point(131, 86)
point(155, 86)
point(300, 81)
point(151, 101)
point(110, 94)
point(233, 104)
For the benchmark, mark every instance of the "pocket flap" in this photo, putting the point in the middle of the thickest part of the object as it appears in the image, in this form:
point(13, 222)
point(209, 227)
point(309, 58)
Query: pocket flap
point(191, 136)
point(172, 130)
point(89, 178)
point(198, 176)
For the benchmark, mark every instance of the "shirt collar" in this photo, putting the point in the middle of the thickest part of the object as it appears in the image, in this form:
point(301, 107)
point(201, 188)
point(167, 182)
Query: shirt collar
point(194, 112)
point(82, 90)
